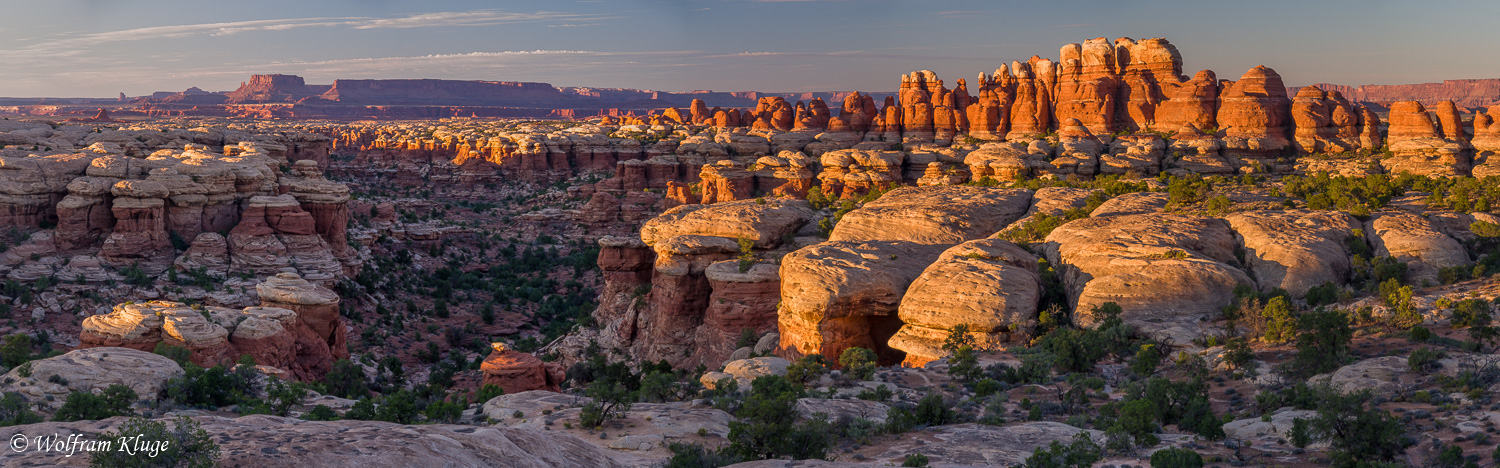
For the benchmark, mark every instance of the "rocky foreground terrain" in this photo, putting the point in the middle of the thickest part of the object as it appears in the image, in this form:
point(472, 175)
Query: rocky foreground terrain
point(1096, 260)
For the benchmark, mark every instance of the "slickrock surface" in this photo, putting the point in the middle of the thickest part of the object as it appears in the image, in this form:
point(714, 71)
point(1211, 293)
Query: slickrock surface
point(91, 370)
point(1414, 240)
point(262, 440)
point(941, 215)
point(841, 294)
point(1295, 250)
point(1168, 272)
point(990, 285)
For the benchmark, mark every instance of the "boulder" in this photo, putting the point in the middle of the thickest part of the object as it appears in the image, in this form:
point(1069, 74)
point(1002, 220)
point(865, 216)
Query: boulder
point(1295, 250)
point(990, 285)
point(747, 370)
point(91, 370)
point(515, 371)
point(766, 222)
point(1413, 239)
point(129, 325)
point(940, 215)
point(1169, 273)
point(841, 294)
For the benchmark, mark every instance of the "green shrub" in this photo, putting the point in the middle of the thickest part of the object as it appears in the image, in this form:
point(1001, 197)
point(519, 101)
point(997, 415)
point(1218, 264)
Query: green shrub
point(346, 380)
point(1081, 453)
point(611, 399)
point(915, 460)
point(1301, 433)
point(282, 395)
point(15, 411)
point(747, 339)
point(399, 408)
point(747, 256)
point(806, 369)
point(16, 350)
point(487, 392)
point(185, 445)
point(1358, 435)
point(1326, 293)
point(114, 401)
point(211, 388)
point(320, 413)
point(1280, 325)
point(363, 410)
point(1173, 457)
point(695, 456)
point(1146, 360)
point(767, 428)
point(446, 411)
point(1323, 343)
point(858, 362)
point(176, 353)
point(1424, 360)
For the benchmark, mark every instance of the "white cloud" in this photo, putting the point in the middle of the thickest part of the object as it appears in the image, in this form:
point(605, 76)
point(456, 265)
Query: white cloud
point(71, 46)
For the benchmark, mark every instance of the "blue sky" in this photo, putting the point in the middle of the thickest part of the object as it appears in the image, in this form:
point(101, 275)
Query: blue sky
point(102, 47)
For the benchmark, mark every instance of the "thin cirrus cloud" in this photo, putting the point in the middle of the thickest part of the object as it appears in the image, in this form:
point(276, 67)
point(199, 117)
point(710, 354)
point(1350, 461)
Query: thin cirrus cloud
point(80, 44)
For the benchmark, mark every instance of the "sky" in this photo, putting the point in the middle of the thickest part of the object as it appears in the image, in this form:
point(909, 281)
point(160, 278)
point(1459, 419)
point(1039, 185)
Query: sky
point(99, 48)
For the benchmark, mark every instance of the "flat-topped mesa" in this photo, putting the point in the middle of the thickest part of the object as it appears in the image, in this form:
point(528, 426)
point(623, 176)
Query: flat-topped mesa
point(291, 330)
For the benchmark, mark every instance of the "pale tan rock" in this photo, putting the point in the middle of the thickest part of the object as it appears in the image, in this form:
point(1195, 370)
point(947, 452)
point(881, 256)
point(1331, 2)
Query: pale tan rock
point(841, 294)
point(989, 285)
point(1412, 239)
point(745, 371)
point(1167, 272)
point(1258, 429)
point(941, 215)
point(1132, 204)
point(92, 370)
point(766, 223)
point(1384, 376)
point(131, 325)
point(983, 445)
point(1295, 250)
